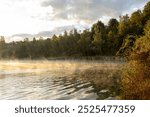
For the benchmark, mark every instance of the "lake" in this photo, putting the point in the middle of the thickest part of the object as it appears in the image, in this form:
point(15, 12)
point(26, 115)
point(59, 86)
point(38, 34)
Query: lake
point(59, 79)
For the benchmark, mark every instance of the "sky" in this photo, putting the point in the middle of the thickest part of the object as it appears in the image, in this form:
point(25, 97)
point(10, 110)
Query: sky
point(29, 18)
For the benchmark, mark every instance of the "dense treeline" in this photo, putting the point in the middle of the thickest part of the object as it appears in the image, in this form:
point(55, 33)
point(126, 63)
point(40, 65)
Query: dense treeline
point(136, 75)
point(129, 37)
point(116, 37)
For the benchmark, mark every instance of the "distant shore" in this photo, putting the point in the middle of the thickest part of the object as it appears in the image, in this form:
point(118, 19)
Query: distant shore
point(103, 58)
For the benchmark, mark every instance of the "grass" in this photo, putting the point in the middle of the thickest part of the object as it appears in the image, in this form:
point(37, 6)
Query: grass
point(136, 81)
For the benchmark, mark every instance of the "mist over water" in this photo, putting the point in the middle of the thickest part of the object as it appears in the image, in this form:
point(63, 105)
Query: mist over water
point(60, 79)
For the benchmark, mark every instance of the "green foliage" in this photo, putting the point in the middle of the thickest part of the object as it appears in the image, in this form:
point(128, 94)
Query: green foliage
point(146, 13)
point(130, 37)
point(99, 37)
point(2, 46)
point(113, 26)
point(142, 45)
point(136, 77)
point(112, 36)
point(127, 46)
point(147, 29)
point(85, 43)
point(124, 27)
point(136, 26)
point(101, 40)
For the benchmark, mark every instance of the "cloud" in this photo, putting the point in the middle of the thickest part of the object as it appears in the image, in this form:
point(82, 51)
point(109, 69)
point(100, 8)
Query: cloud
point(45, 34)
point(59, 30)
point(90, 10)
point(28, 17)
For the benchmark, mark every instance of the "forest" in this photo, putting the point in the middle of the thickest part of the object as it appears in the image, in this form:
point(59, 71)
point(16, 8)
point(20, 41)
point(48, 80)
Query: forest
point(127, 37)
point(101, 40)
point(118, 37)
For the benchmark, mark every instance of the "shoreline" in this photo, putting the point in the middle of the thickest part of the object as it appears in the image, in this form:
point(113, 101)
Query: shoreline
point(87, 58)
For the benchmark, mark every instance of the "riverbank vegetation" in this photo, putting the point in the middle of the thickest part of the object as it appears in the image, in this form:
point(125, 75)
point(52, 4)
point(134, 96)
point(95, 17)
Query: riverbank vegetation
point(129, 37)
point(136, 77)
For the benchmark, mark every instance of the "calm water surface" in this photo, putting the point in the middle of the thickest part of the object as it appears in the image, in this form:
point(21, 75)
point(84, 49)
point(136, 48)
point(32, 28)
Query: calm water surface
point(57, 79)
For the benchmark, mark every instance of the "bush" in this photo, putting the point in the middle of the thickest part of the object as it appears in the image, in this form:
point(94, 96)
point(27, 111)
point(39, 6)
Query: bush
point(136, 76)
point(136, 81)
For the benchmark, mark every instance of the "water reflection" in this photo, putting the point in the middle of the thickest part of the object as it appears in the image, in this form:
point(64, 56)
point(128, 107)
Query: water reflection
point(58, 79)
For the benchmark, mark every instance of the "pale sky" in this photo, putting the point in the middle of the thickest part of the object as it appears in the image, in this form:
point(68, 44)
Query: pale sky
point(45, 17)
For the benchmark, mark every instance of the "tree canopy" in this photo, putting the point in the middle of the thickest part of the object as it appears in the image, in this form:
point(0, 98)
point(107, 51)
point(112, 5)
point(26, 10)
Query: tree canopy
point(99, 40)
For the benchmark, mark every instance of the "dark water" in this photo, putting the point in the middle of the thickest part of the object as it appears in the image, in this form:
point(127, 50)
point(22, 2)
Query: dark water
point(58, 79)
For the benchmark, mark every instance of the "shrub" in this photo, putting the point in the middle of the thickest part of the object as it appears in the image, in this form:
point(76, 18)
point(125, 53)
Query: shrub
point(136, 75)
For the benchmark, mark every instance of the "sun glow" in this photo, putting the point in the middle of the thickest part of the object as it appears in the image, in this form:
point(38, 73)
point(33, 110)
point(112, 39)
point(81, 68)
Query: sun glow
point(23, 17)
point(34, 16)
